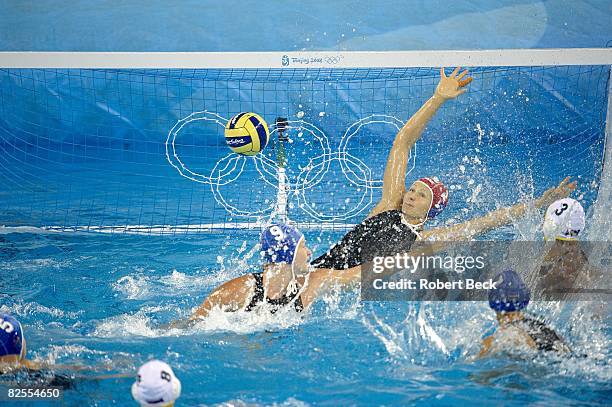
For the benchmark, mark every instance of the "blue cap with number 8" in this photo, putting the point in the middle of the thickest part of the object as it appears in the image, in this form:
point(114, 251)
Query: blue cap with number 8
point(279, 243)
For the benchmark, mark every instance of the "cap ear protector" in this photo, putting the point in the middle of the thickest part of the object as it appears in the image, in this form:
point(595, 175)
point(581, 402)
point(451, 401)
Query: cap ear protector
point(22, 354)
point(151, 389)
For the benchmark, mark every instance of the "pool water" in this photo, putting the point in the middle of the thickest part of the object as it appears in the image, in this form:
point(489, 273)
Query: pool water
point(87, 150)
point(98, 300)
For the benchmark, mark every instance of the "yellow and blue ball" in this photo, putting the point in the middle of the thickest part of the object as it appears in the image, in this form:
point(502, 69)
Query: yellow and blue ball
point(246, 133)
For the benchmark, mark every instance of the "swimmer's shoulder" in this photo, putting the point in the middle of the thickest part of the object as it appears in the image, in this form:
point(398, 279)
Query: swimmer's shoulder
point(384, 212)
point(385, 218)
point(390, 214)
point(238, 283)
point(312, 285)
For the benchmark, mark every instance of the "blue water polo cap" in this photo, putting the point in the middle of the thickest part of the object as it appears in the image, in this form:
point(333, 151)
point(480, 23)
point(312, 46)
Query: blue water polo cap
point(11, 336)
point(279, 243)
point(511, 293)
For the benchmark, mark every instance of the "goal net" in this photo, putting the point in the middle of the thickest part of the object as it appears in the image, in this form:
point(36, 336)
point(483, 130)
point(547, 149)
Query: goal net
point(124, 149)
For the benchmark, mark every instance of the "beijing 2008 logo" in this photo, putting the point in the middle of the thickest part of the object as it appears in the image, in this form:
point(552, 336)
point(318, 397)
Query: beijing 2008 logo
point(285, 60)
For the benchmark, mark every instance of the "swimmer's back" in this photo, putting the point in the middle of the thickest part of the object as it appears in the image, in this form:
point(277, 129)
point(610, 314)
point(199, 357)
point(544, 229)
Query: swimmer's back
point(245, 293)
point(384, 234)
point(258, 298)
point(545, 338)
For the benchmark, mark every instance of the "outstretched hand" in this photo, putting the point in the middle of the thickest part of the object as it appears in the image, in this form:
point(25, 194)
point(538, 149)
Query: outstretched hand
point(563, 190)
point(452, 86)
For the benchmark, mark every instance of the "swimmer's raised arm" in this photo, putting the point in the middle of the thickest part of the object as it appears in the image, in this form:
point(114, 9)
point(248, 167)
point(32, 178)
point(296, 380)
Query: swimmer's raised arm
point(394, 180)
point(503, 216)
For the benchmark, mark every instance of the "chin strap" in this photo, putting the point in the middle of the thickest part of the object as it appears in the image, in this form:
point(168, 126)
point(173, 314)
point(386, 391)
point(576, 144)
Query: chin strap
point(291, 287)
point(415, 228)
point(22, 353)
point(566, 239)
point(293, 284)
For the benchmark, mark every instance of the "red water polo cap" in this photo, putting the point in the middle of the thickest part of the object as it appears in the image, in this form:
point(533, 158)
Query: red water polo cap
point(439, 195)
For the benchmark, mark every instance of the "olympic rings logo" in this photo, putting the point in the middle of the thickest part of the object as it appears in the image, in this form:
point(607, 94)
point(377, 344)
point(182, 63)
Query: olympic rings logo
point(333, 60)
point(229, 168)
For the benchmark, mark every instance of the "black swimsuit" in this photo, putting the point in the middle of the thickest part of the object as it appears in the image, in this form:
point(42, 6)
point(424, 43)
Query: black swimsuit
point(277, 303)
point(546, 338)
point(384, 234)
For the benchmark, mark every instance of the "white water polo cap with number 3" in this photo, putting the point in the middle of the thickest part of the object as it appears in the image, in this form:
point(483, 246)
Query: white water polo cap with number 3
point(564, 220)
point(156, 385)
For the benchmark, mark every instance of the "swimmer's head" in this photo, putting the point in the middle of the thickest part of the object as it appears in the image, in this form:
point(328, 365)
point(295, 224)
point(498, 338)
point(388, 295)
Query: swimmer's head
point(12, 341)
point(425, 199)
point(156, 385)
point(282, 243)
point(510, 295)
point(564, 220)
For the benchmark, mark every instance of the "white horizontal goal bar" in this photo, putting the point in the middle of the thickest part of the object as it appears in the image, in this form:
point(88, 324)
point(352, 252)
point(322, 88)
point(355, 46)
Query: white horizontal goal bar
point(311, 59)
point(168, 229)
